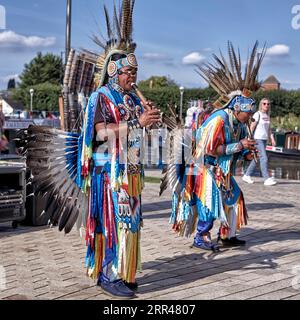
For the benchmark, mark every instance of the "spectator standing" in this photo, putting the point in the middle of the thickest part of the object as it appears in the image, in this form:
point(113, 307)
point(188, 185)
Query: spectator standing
point(262, 134)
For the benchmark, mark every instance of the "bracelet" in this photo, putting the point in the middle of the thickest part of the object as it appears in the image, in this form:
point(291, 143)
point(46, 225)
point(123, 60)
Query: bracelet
point(134, 124)
point(234, 148)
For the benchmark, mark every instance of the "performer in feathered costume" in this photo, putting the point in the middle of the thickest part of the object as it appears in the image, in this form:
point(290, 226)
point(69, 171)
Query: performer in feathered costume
point(116, 177)
point(96, 177)
point(206, 189)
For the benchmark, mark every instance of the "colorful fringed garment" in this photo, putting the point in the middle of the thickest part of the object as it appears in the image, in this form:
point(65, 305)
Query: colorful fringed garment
point(114, 188)
point(209, 190)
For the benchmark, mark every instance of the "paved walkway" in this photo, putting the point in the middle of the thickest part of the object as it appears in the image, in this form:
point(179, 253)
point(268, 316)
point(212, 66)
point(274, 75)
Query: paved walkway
point(41, 263)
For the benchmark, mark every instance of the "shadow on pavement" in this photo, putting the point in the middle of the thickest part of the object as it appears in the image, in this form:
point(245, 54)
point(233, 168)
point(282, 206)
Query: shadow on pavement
point(150, 208)
point(6, 229)
point(180, 270)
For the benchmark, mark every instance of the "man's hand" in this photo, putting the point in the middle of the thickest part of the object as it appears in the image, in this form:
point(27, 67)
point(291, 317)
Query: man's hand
point(150, 105)
point(248, 144)
point(149, 117)
point(249, 156)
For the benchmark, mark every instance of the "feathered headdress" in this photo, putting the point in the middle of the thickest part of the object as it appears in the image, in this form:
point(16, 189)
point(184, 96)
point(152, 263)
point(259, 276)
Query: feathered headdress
point(88, 70)
point(225, 76)
point(119, 41)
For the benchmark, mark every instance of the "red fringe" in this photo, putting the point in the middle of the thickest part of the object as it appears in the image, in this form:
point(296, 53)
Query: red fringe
point(217, 138)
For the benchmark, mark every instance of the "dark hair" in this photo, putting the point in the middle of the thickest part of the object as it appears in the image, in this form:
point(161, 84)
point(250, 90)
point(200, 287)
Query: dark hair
point(117, 56)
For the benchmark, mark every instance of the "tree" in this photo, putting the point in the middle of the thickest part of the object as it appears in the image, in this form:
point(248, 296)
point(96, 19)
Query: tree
point(45, 96)
point(11, 84)
point(156, 82)
point(43, 74)
point(42, 69)
point(171, 95)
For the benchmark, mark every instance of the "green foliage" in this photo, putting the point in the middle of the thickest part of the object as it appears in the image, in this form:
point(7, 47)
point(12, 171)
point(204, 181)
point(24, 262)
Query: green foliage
point(156, 82)
point(283, 102)
point(43, 74)
point(42, 69)
point(289, 122)
point(285, 105)
point(45, 96)
point(171, 95)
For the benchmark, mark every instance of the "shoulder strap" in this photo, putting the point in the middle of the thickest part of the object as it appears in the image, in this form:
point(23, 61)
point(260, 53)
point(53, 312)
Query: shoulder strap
point(257, 122)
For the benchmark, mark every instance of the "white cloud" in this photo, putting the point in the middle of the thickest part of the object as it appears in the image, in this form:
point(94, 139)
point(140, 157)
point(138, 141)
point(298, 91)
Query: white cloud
point(193, 58)
point(157, 58)
point(10, 39)
point(278, 50)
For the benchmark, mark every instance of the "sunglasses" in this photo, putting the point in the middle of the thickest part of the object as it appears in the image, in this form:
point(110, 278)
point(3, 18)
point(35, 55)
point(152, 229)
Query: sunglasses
point(129, 73)
point(266, 104)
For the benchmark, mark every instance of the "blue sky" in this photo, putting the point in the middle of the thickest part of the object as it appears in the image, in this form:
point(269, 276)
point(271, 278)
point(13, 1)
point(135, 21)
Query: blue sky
point(171, 35)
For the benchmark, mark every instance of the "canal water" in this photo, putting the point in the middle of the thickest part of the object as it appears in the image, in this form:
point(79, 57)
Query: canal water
point(283, 169)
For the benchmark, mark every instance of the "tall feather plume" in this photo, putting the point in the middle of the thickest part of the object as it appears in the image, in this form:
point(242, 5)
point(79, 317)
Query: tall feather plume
point(225, 76)
point(125, 18)
point(119, 36)
point(233, 66)
point(117, 22)
point(108, 23)
point(130, 25)
point(224, 66)
point(237, 63)
point(250, 65)
point(99, 42)
point(261, 55)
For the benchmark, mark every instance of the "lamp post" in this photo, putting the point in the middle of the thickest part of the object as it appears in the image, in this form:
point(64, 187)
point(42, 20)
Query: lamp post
point(31, 101)
point(68, 29)
point(181, 89)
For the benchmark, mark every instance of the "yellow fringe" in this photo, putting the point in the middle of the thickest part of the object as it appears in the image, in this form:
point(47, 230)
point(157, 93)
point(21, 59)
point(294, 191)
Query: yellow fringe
point(130, 256)
point(135, 185)
point(99, 254)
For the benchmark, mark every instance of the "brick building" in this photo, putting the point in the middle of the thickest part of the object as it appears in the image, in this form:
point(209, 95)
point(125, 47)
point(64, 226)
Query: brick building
point(271, 83)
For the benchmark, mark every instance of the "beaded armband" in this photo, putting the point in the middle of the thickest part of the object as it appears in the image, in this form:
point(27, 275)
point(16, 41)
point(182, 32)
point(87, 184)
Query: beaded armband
point(233, 148)
point(133, 124)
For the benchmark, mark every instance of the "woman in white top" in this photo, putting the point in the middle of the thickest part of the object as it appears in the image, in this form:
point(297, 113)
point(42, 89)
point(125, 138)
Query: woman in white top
point(262, 134)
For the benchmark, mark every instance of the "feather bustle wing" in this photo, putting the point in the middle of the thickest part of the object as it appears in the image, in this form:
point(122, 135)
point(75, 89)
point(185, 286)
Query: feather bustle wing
point(170, 178)
point(54, 173)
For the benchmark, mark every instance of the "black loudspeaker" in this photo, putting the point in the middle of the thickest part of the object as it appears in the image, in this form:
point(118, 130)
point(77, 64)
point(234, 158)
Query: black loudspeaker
point(36, 205)
point(35, 208)
point(12, 189)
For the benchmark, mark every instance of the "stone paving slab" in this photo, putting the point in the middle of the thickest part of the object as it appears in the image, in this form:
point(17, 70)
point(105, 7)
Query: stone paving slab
point(42, 263)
